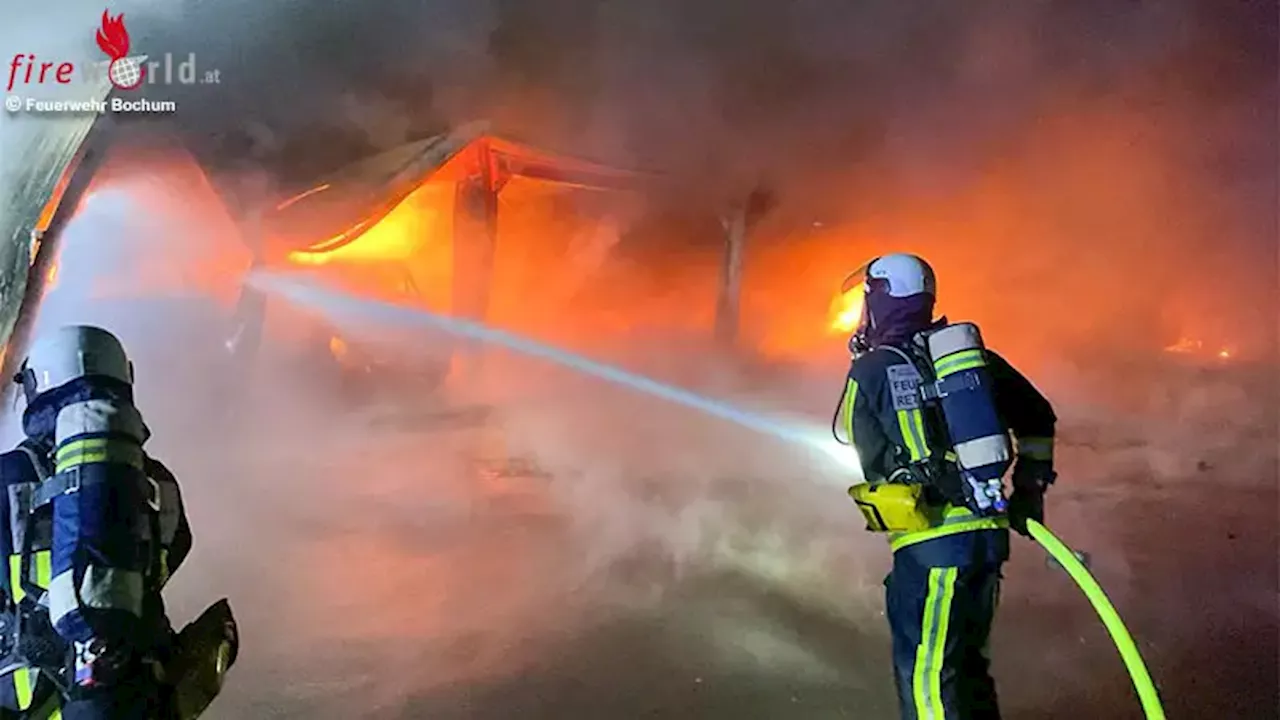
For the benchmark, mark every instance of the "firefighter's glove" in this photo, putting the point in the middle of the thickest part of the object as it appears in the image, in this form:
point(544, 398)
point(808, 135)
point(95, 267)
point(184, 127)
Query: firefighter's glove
point(1030, 480)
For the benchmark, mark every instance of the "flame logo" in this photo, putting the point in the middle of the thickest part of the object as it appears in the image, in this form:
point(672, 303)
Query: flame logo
point(125, 73)
point(112, 37)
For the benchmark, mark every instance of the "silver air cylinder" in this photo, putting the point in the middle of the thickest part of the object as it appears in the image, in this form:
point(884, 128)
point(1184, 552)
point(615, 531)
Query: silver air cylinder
point(967, 397)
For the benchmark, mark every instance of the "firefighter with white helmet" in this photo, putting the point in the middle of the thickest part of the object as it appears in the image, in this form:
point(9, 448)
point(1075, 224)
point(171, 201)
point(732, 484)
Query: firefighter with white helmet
point(930, 412)
point(92, 528)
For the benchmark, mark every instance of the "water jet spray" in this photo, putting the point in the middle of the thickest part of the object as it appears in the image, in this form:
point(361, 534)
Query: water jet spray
point(337, 305)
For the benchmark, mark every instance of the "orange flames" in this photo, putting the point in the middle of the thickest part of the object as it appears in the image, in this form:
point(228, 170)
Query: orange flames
point(846, 310)
point(1192, 346)
point(338, 348)
point(394, 238)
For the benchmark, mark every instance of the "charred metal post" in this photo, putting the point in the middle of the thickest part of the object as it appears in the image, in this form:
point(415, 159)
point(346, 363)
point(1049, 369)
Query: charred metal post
point(728, 304)
point(737, 225)
point(475, 239)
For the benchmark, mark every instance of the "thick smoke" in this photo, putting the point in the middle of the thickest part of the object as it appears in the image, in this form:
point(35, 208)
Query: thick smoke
point(1094, 182)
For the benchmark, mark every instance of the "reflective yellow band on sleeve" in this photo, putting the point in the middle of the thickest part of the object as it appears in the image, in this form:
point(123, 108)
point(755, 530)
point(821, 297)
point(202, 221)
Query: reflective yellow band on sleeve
point(15, 577)
point(911, 423)
point(926, 677)
point(1036, 448)
point(42, 567)
point(24, 680)
point(954, 363)
point(954, 520)
point(850, 397)
point(24, 686)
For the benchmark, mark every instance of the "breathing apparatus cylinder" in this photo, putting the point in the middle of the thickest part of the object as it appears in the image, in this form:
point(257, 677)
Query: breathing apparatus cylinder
point(965, 392)
point(101, 533)
point(105, 509)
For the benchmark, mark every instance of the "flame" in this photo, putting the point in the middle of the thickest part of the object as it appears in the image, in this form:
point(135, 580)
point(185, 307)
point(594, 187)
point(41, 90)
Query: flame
point(1190, 346)
point(406, 256)
point(1185, 346)
point(51, 279)
point(846, 310)
point(112, 37)
point(394, 238)
point(338, 348)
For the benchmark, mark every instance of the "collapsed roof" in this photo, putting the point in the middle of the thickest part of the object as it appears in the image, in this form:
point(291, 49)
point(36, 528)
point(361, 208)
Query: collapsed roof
point(340, 207)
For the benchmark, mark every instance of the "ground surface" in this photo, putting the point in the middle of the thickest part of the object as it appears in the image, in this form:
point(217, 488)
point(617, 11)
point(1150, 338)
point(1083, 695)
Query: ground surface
point(379, 574)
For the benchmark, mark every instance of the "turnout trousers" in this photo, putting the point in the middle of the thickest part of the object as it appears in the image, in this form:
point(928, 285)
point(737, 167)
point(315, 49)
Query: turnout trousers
point(941, 597)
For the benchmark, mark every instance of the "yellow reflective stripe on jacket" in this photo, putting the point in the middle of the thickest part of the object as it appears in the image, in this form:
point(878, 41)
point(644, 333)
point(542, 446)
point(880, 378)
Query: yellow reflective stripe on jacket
point(24, 680)
point(954, 520)
point(846, 419)
point(926, 678)
point(1035, 448)
point(911, 423)
point(97, 450)
point(964, 360)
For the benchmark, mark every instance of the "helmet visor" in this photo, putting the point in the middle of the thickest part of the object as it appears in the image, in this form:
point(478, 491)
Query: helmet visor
point(849, 309)
point(856, 280)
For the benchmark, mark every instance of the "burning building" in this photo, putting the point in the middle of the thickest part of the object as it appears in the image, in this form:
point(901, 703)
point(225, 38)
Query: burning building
point(437, 224)
point(463, 222)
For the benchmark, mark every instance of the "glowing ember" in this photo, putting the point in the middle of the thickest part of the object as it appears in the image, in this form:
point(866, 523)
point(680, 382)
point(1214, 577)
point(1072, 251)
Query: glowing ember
point(1185, 345)
point(1224, 354)
point(846, 310)
point(302, 195)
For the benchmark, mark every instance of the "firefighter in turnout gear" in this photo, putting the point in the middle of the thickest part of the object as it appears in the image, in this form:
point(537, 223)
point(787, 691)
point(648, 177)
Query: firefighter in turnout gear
point(930, 413)
point(93, 527)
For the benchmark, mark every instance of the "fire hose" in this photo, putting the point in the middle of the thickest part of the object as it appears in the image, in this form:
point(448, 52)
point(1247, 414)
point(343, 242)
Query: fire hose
point(1070, 562)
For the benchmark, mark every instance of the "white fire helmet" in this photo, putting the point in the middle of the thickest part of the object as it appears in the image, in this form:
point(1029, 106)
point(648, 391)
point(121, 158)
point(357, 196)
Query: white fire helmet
point(904, 275)
point(70, 352)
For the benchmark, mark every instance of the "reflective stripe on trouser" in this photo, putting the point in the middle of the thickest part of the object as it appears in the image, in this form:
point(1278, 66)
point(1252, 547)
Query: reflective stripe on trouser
point(954, 520)
point(941, 618)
